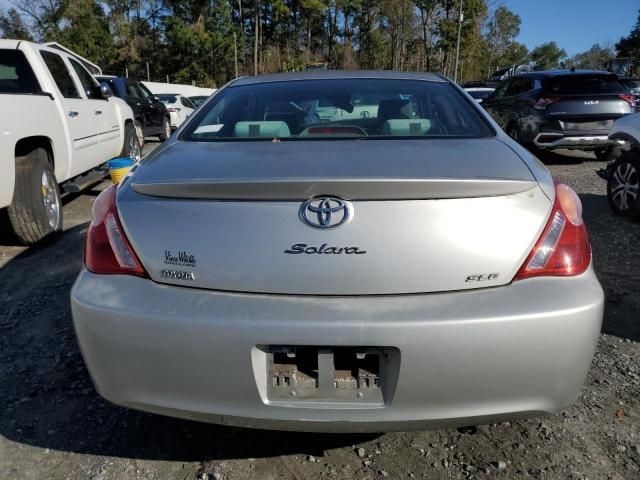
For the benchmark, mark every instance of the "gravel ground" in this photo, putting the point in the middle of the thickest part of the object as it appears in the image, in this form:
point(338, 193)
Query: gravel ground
point(53, 425)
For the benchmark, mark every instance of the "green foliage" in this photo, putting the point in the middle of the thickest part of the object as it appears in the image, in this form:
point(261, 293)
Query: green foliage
point(629, 46)
point(12, 26)
point(593, 59)
point(547, 56)
point(206, 41)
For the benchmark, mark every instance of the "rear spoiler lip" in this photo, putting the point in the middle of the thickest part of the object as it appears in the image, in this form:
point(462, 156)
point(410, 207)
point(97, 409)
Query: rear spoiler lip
point(361, 189)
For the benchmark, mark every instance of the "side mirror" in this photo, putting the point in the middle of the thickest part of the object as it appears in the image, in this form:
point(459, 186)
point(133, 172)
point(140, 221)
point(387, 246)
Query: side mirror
point(105, 90)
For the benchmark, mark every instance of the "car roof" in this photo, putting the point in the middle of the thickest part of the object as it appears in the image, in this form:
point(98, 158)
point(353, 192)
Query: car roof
point(558, 73)
point(338, 74)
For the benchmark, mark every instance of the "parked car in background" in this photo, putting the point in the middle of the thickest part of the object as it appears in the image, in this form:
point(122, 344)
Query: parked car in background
point(151, 116)
point(319, 274)
point(631, 84)
point(562, 109)
point(479, 94)
point(623, 175)
point(178, 106)
point(198, 99)
point(57, 131)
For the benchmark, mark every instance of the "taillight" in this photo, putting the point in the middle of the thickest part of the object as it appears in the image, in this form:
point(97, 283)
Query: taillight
point(107, 250)
point(543, 103)
point(630, 99)
point(563, 248)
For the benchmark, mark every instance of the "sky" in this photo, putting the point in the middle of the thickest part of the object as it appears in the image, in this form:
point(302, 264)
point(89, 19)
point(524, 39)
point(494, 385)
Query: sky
point(574, 25)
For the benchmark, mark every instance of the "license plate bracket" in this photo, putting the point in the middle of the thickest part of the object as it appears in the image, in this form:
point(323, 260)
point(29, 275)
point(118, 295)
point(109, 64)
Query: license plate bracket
point(360, 375)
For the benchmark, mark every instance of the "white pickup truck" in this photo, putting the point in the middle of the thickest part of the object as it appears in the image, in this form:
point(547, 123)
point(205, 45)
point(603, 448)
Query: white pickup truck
point(57, 128)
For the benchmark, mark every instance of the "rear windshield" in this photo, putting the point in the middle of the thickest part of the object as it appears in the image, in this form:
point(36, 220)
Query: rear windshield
point(16, 75)
point(583, 85)
point(480, 94)
point(337, 108)
point(164, 98)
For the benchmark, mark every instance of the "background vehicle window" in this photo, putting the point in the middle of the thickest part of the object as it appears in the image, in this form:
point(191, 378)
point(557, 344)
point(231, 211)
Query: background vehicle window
point(60, 74)
point(338, 108)
point(16, 75)
point(145, 91)
point(500, 91)
point(518, 86)
point(87, 81)
point(186, 102)
point(133, 90)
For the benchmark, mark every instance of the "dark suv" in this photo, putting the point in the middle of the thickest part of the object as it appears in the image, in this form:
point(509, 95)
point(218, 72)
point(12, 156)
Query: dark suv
point(562, 109)
point(151, 116)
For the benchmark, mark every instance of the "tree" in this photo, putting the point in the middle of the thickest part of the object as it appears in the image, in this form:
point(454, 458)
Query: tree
point(547, 56)
point(502, 49)
point(629, 46)
point(12, 26)
point(593, 59)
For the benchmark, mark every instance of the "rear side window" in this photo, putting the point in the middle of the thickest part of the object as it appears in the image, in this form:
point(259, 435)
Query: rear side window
point(60, 74)
point(338, 108)
point(16, 75)
point(186, 102)
point(87, 81)
point(583, 85)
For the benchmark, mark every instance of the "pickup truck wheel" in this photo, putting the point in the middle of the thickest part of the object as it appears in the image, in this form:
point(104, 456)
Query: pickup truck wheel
point(139, 132)
point(623, 187)
point(166, 130)
point(131, 147)
point(36, 210)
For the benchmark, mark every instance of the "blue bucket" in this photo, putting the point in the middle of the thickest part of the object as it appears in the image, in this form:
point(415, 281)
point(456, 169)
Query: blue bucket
point(123, 162)
point(119, 167)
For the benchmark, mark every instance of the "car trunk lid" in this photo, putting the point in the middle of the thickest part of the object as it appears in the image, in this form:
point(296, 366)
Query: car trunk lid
point(426, 216)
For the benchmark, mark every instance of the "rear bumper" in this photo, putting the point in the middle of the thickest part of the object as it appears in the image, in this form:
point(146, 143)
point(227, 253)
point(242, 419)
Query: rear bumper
point(471, 357)
point(578, 141)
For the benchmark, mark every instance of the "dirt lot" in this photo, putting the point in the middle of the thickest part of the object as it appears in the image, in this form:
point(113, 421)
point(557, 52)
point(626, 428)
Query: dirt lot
point(53, 425)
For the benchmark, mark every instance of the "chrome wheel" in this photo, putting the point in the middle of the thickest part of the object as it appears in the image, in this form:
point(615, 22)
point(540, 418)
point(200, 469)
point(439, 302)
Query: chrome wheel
point(167, 129)
point(134, 148)
point(50, 198)
point(624, 186)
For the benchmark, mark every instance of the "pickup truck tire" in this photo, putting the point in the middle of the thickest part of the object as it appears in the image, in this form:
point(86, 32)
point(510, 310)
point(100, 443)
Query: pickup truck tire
point(166, 130)
point(36, 210)
point(139, 131)
point(131, 147)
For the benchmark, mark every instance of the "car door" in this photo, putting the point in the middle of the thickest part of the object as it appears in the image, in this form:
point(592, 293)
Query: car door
point(135, 96)
point(158, 109)
point(496, 102)
point(82, 124)
point(103, 111)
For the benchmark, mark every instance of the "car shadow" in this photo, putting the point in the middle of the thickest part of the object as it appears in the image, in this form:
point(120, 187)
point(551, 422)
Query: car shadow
point(615, 242)
point(48, 399)
point(563, 157)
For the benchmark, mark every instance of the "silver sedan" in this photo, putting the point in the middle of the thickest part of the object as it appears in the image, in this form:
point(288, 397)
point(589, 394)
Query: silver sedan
point(339, 251)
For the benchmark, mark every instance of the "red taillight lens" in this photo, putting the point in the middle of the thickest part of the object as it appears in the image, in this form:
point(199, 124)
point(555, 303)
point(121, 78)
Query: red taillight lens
point(543, 103)
point(563, 248)
point(107, 250)
point(630, 99)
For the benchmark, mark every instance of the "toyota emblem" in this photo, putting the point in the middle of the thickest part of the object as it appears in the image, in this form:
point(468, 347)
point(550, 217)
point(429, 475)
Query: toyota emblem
point(326, 212)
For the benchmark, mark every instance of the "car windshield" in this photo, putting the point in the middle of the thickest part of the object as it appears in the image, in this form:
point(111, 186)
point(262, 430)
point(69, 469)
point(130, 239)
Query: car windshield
point(583, 85)
point(337, 108)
